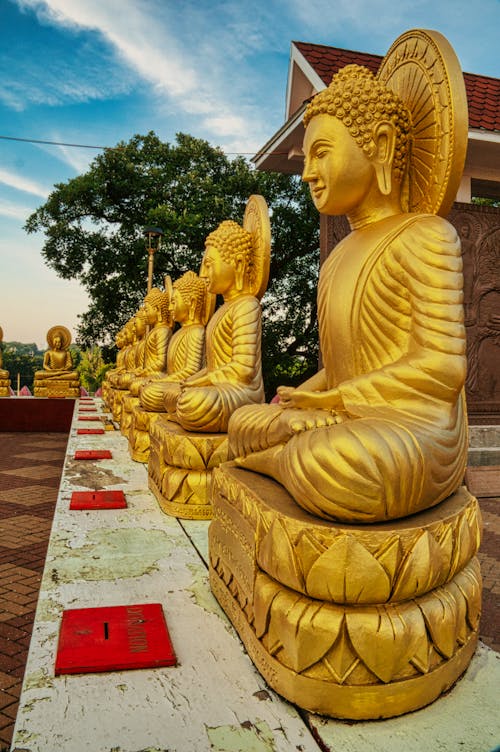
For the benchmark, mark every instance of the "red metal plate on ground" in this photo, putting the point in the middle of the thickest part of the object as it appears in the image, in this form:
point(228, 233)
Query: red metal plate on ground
point(88, 417)
point(87, 409)
point(93, 454)
point(113, 638)
point(98, 500)
point(85, 431)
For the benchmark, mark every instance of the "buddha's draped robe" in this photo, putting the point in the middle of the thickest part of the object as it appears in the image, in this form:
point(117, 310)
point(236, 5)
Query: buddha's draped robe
point(233, 368)
point(155, 357)
point(184, 357)
point(393, 343)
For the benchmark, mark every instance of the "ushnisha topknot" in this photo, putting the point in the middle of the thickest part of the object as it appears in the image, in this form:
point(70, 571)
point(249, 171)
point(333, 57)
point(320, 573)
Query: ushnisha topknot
point(231, 239)
point(190, 285)
point(357, 98)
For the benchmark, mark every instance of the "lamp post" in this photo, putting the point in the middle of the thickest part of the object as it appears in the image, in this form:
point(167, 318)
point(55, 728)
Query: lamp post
point(153, 236)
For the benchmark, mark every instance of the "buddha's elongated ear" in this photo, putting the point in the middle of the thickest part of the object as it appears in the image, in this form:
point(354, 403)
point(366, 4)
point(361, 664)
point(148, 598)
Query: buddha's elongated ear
point(384, 138)
point(239, 272)
point(192, 308)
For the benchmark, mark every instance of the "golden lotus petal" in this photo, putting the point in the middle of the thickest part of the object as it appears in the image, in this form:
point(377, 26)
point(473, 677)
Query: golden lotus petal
point(347, 573)
point(386, 638)
point(276, 556)
point(421, 569)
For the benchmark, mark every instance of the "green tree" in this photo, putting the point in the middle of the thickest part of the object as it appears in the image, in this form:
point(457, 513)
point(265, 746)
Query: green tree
point(94, 233)
point(92, 368)
point(23, 359)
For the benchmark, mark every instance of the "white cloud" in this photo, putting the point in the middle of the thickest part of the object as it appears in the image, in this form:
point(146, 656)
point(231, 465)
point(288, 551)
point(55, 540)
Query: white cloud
point(189, 55)
point(21, 183)
point(14, 211)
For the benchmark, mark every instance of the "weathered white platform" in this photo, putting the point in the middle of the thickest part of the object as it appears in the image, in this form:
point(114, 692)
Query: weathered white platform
point(213, 699)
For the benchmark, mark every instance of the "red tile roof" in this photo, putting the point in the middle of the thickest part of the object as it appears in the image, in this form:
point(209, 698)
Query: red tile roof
point(483, 92)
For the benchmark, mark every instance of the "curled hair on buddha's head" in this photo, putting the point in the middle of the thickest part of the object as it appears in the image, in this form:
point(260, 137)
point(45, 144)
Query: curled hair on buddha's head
point(231, 239)
point(159, 299)
point(360, 101)
point(190, 286)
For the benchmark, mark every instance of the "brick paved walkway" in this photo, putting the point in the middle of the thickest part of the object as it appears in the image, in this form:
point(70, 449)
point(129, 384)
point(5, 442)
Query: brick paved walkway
point(30, 470)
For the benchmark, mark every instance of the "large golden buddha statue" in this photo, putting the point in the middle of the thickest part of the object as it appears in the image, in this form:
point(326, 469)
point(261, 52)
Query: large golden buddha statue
point(345, 618)
point(4, 375)
point(186, 447)
point(191, 307)
point(57, 379)
point(159, 322)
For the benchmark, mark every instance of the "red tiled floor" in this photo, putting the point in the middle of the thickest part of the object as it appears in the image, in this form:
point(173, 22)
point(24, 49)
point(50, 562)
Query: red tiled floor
point(30, 472)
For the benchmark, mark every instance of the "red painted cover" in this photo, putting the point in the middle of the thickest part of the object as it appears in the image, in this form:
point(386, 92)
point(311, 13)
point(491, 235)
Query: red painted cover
point(88, 417)
point(93, 454)
point(85, 431)
point(98, 500)
point(87, 409)
point(113, 638)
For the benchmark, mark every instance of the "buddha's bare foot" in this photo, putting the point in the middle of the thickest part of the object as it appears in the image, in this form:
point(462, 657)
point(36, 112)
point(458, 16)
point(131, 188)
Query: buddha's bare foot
point(260, 462)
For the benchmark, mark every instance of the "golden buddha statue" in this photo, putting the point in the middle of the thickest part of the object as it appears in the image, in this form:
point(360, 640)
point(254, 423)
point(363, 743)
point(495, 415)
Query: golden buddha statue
point(342, 617)
point(236, 265)
point(191, 307)
point(57, 379)
point(133, 361)
point(121, 343)
point(159, 322)
point(4, 375)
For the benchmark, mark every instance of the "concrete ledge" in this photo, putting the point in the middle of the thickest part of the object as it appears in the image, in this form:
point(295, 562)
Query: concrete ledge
point(214, 699)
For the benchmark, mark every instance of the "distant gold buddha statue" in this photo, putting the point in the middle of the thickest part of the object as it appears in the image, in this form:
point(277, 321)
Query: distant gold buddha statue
point(121, 343)
point(236, 265)
point(4, 375)
point(133, 361)
point(343, 544)
point(159, 321)
point(57, 377)
point(191, 307)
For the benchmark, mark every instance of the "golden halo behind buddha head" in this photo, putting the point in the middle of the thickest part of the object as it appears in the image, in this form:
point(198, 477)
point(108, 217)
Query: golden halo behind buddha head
point(256, 222)
point(423, 70)
point(59, 331)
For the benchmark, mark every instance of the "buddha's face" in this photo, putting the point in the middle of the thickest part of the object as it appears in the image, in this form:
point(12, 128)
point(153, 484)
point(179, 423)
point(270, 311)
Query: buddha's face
point(220, 274)
point(57, 342)
point(180, 307)
point(151, 313)
point(339, 173)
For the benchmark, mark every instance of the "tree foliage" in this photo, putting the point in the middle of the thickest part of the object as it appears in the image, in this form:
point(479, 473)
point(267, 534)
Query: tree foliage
point(22, 359)
point(94, 224)
point(92, 368)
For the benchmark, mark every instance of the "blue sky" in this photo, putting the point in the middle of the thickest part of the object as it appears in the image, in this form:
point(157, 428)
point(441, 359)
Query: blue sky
point(99, 71)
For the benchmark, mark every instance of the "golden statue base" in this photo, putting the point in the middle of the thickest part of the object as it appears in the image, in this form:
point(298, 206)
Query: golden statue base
point(117, 405)
point(129, 403)
point(4, 387)
point(139, 438)
point(180, 468)
point(351, 621)
point(57, 388)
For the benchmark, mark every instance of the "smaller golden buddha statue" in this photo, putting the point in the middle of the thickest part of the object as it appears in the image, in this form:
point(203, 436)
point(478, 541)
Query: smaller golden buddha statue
point(186, 447)
point(133, 361)
point(159, 322)
point(121, 342)
point(4, 375)
point(191, 306)
point(57, 378)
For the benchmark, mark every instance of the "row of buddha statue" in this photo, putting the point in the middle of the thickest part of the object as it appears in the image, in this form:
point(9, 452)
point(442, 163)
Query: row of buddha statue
point(57, 378)
point(342, 543)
